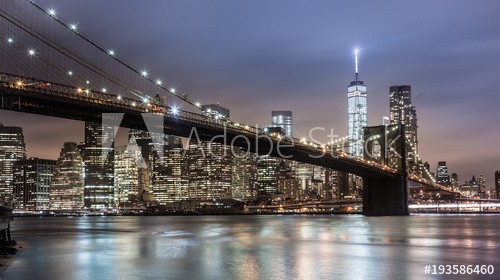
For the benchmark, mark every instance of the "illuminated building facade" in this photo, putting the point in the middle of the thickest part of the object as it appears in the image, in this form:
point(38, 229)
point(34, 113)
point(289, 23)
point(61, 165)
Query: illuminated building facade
point(12, 148)
point(356, 113)
point(32, 178)
point(98, 158)
point(284, 120)
point(66, 187)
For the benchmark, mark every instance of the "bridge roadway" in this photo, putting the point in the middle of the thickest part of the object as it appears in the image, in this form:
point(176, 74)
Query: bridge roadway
point(30, 95)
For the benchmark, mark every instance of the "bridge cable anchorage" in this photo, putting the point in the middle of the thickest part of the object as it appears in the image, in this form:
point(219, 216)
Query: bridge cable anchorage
point(94, 44)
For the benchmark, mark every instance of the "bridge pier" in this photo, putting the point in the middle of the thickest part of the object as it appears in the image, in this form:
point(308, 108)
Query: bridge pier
point(385, 196)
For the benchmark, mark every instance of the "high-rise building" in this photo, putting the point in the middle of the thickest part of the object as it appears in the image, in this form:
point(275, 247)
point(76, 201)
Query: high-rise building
point(288, 183)
point(243, 175)
point(267, 175)
point(66, 187)
point(98, 157)
point(171, 182)
point(403, 113)
point(481, 191)
point(497, 184)
point(284, 120)
point(209, 164)
point(356, 113)
point(442, 177)
point(454, 181)
point(32, 179)
point(127, 161)
point(12, 148)
point(474, 186)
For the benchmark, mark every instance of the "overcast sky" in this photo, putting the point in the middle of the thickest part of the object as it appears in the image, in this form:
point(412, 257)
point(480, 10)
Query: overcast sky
point(256, 56)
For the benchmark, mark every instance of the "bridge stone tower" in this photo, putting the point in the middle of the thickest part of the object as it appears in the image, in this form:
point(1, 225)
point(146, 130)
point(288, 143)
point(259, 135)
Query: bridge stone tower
point(386, 195)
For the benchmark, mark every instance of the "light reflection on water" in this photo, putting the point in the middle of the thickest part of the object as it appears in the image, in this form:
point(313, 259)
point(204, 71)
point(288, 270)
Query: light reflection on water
point(250, 247)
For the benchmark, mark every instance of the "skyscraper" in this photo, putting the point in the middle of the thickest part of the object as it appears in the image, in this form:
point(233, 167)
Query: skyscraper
point(66, 187)
point(284, 120)
point(267, 175)
point(481, 186)
point(356, 113)
point(497, 184)
point(243, 173)
point(32, 179)
point(209, 164)
point(442, 177)
point(12, 148)
point(171, 173)
point(402, 112)
point(126, 174)
point(99, 167)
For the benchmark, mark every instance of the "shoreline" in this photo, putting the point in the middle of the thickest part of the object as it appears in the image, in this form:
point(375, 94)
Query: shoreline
point(6, 261)
point(255, 214)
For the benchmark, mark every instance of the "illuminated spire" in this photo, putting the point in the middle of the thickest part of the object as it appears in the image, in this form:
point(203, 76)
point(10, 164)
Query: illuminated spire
point(356, 51)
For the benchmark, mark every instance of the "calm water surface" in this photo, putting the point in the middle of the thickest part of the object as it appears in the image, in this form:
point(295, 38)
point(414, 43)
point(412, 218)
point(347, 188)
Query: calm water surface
point(251, 247)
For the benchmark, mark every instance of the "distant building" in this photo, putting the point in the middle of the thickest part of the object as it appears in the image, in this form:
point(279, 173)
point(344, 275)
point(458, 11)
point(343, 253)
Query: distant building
point(284, 120)
point(209, 167)
point(404, 113)
point(98, 157)
point(171, 183)
point(216, 108)
point(267, 175)
point(497, 184)
point(288, 182)
point(209, 164)
point(481, 186)
point(127, 161)
point(454, 181)
point(305, 175)
point(243, 175)
point(12, 148)
point(66, 187)
point(32, 178)
point(470, 188)
point(442, 177)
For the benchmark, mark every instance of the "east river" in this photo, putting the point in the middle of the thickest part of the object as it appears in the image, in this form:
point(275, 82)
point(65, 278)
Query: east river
point(252, 247)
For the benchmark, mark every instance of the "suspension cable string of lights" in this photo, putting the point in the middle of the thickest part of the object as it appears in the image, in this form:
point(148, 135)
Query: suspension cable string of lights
point(111, 53)
point(66, 52)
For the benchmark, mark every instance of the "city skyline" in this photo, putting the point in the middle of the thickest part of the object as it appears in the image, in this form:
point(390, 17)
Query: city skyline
point(459, 65)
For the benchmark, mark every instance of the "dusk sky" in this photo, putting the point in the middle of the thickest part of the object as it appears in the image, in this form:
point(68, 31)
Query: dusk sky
point(256, 56)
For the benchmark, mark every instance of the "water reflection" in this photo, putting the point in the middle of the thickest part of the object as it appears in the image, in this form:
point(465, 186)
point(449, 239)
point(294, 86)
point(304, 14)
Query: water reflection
point(250, 247)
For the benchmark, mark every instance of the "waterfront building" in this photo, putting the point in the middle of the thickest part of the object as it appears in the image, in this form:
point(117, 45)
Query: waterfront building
point(171, 177)
point(98, 157)
point(209, 167)
point(32, 178)
point(243, 175)
point(12, 148)
point(66, 187)
point(127, 161)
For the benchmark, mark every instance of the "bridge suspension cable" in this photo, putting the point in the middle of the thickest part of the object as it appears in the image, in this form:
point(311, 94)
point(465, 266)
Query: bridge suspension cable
point(142, 73)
